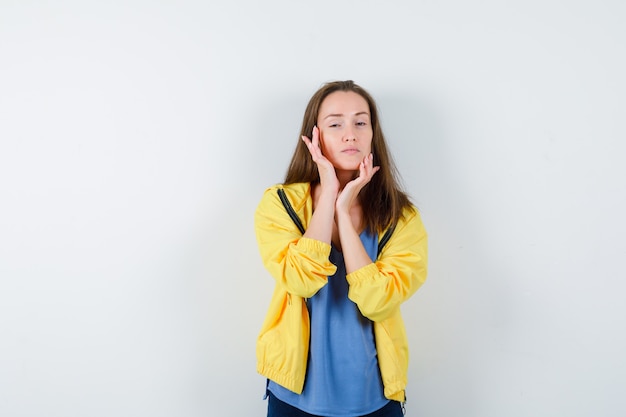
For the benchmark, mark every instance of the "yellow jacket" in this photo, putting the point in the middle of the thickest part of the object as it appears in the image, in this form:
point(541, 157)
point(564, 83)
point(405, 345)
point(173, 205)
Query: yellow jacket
point(301, 267)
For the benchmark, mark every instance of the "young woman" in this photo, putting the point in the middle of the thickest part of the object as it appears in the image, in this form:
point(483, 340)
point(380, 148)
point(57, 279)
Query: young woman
point(333, 342)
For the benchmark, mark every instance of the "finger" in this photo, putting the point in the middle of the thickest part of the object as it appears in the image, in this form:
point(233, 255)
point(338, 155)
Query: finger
point(307, 142)
point(367, 170)
point(314, 149)
point(370, 165)
point(362, 178)
point(315, 136)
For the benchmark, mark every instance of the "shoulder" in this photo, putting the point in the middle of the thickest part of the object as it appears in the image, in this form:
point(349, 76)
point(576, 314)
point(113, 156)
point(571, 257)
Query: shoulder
point(411, 218)
point(408, 225)
point(274, 213)
point(296, 193)
point(410, 213)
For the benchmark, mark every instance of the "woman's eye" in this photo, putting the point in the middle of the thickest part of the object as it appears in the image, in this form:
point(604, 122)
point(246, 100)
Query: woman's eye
point(334, 125)
point(361, 123)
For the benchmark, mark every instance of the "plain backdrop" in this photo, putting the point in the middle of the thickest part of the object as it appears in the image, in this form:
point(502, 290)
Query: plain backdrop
point(137, 137)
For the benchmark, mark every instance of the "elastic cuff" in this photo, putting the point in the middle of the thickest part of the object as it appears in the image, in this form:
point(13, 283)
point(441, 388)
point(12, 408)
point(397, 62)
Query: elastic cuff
point(306, 244)
point(364, 273)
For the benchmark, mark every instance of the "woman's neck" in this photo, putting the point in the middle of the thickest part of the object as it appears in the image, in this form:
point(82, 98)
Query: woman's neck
point(345, 177)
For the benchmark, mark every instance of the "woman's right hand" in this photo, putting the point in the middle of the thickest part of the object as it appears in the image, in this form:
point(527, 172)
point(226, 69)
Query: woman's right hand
point(328, 176)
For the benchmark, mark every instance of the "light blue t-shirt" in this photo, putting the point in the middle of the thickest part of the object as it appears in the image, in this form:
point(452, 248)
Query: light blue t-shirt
point(343, 378)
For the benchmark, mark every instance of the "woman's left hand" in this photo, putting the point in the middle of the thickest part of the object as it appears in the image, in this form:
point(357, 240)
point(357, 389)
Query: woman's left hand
point(350, 192)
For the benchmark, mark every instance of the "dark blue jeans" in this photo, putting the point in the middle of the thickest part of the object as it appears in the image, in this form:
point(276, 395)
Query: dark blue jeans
point(278, 408)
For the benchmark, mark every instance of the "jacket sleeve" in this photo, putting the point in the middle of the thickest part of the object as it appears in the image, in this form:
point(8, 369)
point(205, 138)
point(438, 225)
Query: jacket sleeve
point(299, 264)
point(379, 288)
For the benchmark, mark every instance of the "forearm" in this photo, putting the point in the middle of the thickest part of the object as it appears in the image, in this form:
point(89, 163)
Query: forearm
point(299, 265)
point(354, 253)
point(321, 224)
point(401, 268)
point(304, 268)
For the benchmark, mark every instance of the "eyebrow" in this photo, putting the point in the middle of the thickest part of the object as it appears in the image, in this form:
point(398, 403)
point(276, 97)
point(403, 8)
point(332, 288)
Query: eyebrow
point(341, 115)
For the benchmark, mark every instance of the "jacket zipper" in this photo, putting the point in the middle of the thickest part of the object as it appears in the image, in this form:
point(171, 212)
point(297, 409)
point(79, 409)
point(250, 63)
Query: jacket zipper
point(292, 213)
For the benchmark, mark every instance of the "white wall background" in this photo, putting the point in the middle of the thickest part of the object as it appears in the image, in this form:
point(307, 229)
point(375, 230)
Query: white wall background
point(137, 137)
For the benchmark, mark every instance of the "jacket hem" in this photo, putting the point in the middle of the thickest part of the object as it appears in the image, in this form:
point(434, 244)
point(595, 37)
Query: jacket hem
point(282, 379)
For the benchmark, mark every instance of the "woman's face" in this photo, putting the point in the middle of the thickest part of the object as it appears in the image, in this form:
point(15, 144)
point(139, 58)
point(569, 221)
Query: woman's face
point(345, 129)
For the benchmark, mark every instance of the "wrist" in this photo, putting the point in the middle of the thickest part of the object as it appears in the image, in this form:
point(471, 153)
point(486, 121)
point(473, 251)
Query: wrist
point(342, 216)
point(328, 194)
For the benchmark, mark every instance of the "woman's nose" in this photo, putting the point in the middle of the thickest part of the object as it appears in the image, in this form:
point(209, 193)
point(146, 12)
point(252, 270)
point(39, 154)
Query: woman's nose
point(349, 135)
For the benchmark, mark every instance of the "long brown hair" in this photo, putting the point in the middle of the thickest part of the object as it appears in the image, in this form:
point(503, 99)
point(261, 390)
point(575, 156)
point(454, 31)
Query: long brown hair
point(382, 199)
